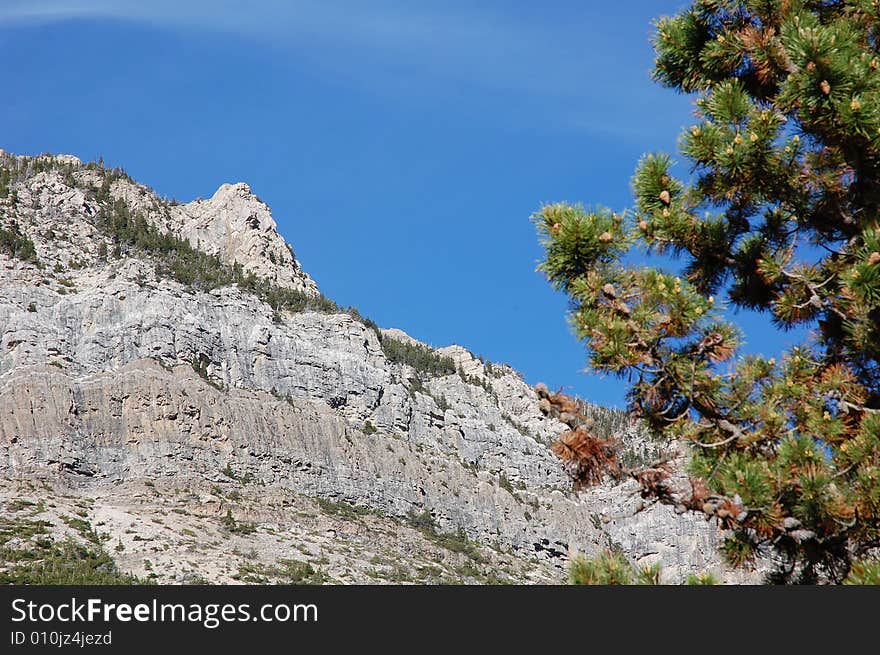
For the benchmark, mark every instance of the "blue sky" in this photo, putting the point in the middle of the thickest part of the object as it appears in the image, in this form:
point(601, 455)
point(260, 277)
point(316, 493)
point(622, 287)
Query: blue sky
point(402, 146)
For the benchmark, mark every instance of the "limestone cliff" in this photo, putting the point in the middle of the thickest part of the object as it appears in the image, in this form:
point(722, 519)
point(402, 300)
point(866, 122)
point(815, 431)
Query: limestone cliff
point(132, 388)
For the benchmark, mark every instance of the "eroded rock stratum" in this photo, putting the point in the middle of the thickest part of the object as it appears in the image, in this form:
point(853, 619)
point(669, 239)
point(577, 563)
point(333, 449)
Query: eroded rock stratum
point(202, 427)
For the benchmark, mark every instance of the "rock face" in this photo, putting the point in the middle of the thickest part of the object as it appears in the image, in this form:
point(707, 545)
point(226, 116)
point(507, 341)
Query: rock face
point(233, 224)
point(113, 373)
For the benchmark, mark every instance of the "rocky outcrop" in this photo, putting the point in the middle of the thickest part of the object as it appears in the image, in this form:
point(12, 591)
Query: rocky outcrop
point(234, 224)
point(113, 373)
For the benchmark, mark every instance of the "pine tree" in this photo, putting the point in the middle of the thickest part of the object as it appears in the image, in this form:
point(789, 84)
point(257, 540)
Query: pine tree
point(4, 182)
point(781, 214)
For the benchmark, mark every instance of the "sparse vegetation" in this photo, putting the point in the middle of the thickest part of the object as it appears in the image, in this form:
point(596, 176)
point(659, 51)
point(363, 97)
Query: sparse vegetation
point(421, 358)
point(200, 366)
point(5, 179)
point(343, 509)
point(476, 381)
point(286, 571)
point(504, 483)
point(15, 243)
point(701, 579)
point(236, 527)
point(519, 427)
point(43, 561)
point(423, 521)
point(178, 259)
point(456, 542)
point(132, 234)
point(67, 563)
point(611, 569)
point(243, 478)
point(83, 527)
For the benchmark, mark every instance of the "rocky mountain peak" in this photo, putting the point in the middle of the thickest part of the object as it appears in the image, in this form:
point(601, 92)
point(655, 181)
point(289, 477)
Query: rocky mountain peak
point(236, 225)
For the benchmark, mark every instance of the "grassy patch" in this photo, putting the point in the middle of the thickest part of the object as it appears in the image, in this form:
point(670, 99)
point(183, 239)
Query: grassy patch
point(286, 571)
point(19, 504)
point(83, 527)
point(343, 509)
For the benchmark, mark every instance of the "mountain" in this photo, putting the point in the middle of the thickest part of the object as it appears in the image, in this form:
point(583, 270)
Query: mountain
point(179, 402)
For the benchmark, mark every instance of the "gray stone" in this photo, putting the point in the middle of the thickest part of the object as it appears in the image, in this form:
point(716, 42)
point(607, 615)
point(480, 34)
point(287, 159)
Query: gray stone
point(97, 389)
